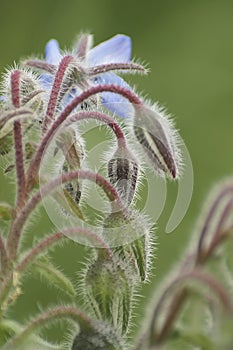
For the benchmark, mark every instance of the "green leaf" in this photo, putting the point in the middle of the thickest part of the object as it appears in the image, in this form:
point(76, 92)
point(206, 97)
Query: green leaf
point(54, 276)
point(137, 252)
point(108, 290)
point(5, 211)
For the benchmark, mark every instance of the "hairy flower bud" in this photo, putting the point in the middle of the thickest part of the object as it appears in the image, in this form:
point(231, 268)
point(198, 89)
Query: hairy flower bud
point(130, 238)
point(157, 139)
point(103, 338)
point(108, 289)
point(123, 173)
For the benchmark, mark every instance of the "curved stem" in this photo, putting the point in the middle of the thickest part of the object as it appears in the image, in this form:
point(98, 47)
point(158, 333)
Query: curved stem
point(179, 300)
point(226, 190)
point(35, 163)
point(219, 237)
point(38, 249)
point(17, 226)
point(57, 238)
point(48, 67)
point(68, 312)
point(13, 115)
point(103, 118)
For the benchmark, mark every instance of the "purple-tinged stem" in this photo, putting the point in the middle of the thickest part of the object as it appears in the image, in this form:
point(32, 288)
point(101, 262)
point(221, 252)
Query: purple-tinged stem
point(17, 226)
point(56, 90)
point(224, 192)
point(103, 118)
point(43, 65)
point(38, 249)
point(102, 68)
point(224, 216)
point(18, 140)
point(219, 235)
point(3, 255)
point(218, 238)
point(57, 237)
point(15, 88)
point(13, 114)
point(31, 96)
point(35, 163)
point(48, 316)
point(180, 298)
point(19, 163)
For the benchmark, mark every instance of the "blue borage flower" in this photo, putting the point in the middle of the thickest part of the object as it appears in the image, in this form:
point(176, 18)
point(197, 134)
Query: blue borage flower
point(99, 63)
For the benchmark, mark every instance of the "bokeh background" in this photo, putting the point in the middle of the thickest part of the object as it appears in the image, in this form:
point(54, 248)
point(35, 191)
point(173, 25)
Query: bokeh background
point(189, 49)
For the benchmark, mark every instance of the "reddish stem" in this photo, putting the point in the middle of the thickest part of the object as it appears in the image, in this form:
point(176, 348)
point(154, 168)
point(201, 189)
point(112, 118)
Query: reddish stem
point(13, 114)
point(48, 316)
point(56, 90)
point(55, 238)
point(103, 118)
point(17, 226)
point(180, 298)
point(18, 140)
point(35, 163)
point(3, 255)
point(102, 68)
point(228, 189)
point(83, 46)
point(50, 68)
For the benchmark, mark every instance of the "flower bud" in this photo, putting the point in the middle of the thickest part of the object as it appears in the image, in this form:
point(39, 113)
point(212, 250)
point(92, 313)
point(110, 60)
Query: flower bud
point(108, 289)
point(158, 140)
point(103, 338)
point(130, 238)
point(123, 173)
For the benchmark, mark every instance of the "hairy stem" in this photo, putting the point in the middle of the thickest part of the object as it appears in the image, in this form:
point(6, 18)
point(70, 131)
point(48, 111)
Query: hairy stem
point(3, 255)
point(19, 164)
point(36, 161)
point(13, 114)
point(56, 90)
point(226, 190)
point(17, 226)
point(103, 118)
point(179, 300)
point(102, 68)
point(67, 312)
point(48, 67)
point(56, 238)
point(18, 140)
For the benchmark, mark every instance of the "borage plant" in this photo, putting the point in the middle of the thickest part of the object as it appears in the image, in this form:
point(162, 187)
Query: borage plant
point(44, 104)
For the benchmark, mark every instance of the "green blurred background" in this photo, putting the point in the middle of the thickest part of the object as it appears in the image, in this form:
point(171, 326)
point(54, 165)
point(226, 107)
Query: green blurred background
point(189, 48)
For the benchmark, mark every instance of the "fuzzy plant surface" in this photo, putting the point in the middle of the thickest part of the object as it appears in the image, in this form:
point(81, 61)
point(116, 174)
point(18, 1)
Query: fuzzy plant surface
point(47, 108)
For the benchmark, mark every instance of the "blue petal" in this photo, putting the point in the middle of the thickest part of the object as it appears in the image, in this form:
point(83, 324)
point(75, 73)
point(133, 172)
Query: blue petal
point(46, 81)
point(115, 50)
point(114, 102)
point(2, 98)
point(52, 52)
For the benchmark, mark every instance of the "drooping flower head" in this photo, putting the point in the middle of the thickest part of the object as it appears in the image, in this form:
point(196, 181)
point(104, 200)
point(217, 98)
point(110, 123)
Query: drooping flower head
point(98, 65)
